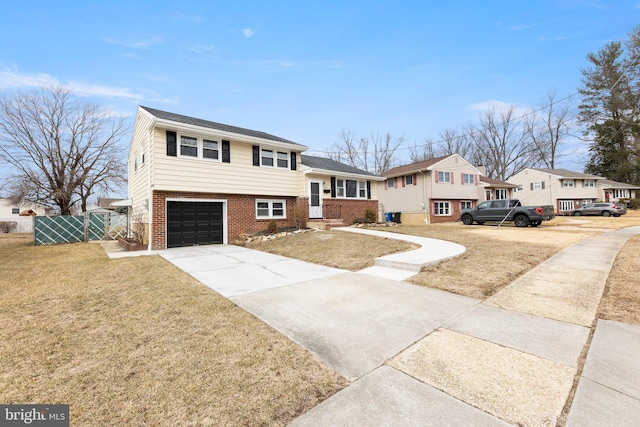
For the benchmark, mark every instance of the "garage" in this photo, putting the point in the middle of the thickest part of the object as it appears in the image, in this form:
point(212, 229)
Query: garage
point(194, 223)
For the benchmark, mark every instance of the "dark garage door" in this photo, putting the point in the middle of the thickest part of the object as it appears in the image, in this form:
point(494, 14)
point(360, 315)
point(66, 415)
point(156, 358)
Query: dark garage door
point(194, 223)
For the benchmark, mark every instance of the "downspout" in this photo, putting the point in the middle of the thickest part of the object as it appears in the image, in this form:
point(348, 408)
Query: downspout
point(150, 194)
point(424, 197)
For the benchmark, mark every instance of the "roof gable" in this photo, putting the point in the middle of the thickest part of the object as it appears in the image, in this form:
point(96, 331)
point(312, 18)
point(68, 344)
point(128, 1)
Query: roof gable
point(496, 183)
point(179, 118)
point(565, 173)
point(415, 167)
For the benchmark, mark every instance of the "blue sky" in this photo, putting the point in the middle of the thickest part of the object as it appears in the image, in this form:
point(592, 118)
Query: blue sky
point(305, 70)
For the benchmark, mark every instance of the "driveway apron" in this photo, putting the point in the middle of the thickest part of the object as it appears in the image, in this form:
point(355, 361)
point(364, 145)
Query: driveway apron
point(420, 356)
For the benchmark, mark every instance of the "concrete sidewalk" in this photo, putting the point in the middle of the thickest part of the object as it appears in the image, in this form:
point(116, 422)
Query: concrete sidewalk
point(420, 356)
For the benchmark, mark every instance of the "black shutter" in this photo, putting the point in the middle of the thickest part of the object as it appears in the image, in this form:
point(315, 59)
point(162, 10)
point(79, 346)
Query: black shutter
point(226, 153)
point(333, 186)
point(532, 185)
point(171, 144)
point(256, 155)
point(369, 190)
point(543, 185)
point(294, 165)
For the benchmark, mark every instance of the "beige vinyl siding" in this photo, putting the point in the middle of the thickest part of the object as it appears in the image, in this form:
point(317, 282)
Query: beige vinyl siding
point(456, 166)
point(528, 197)
point(402, 199)
point(578, 191)
point(139, 191)
point(237, 177)
point(326, 184)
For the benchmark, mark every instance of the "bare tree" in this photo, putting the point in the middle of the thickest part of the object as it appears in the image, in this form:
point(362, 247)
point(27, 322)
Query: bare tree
point(502, 143)
point(426, 151)
point(373, 153)
point(60, 150)
point(548, 127)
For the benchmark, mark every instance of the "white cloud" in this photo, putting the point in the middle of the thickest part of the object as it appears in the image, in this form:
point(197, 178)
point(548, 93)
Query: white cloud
point(12, 79)
point(134, 44)
point(188, 17)
point(518, 27)
point(201, 49)
point(248, 32)
point(84, 89)
point(498, 106)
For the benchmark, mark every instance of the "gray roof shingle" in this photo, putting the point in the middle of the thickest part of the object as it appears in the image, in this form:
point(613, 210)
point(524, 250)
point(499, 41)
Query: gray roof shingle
point(413, 167)
point(617, 184)
point(331, 165)
point(217, 126)
point(565, 173)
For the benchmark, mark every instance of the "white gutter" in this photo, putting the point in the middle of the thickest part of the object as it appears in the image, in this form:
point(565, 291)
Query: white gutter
point(424, 197)
point(343, 174)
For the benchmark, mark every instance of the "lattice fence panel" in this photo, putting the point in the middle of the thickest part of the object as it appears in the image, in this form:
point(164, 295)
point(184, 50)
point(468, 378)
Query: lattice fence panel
point(51, 230)
point(96, 226)
point(118, 226)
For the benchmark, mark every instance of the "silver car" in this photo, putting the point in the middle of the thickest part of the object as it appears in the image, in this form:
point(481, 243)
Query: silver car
point(601, 209)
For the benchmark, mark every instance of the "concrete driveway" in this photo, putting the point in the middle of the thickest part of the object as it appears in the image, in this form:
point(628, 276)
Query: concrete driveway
point(420, 356)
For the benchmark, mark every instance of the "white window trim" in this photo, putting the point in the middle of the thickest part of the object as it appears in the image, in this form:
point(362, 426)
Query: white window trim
point(444, 174)
point(344, 187)
point(589, 183)
point(566, 205)
point(406, 183)
point(501, 192)
point(199, 147)
point(469, 203)
point(340, 188)
point(537, 185)
point(390, 183)
point(274, 157)
point(566, 182)
point(435, 208)
point(270, 203)
point(468, 179)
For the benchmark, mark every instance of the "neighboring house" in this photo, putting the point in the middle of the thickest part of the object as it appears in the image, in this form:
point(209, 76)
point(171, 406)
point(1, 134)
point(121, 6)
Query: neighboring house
point(10, 209)
point(106, 202)
point(194, 181)
point(22, 214)
point(496, 190)
point(562, 188)
point(436, 190)
point(613, 191)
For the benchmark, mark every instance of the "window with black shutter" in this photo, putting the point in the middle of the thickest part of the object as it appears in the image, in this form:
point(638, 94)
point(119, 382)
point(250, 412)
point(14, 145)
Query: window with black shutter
point(172, 144)
point(226, 152)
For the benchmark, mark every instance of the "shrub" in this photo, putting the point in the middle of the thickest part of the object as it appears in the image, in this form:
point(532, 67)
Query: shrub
point(272, 226)
point(633, 204)
point(8, 226)
point(300, 216)
point(370, 216)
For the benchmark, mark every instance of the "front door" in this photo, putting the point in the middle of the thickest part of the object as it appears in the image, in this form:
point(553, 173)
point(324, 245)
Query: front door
point(315, 199)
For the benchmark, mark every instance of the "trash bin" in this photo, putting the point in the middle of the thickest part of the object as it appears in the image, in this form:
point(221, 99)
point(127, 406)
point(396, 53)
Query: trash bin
point(388, 216)
point(396, 217)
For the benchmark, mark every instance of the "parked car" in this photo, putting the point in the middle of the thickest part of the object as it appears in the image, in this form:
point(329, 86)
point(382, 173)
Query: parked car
point(507, 210)
point(601, 209)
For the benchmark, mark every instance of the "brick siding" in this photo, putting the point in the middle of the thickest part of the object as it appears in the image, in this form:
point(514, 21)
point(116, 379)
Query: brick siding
point(241, 212)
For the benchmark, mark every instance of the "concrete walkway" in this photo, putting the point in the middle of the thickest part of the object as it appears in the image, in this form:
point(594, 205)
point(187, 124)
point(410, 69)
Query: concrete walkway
point(420, 356)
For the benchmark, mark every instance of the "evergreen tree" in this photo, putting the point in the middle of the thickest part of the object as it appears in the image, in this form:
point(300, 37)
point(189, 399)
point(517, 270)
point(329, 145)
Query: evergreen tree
point(609, 110)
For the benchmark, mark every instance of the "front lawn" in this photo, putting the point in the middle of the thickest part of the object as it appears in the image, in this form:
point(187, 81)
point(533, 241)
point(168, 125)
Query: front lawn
point(135, 341)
